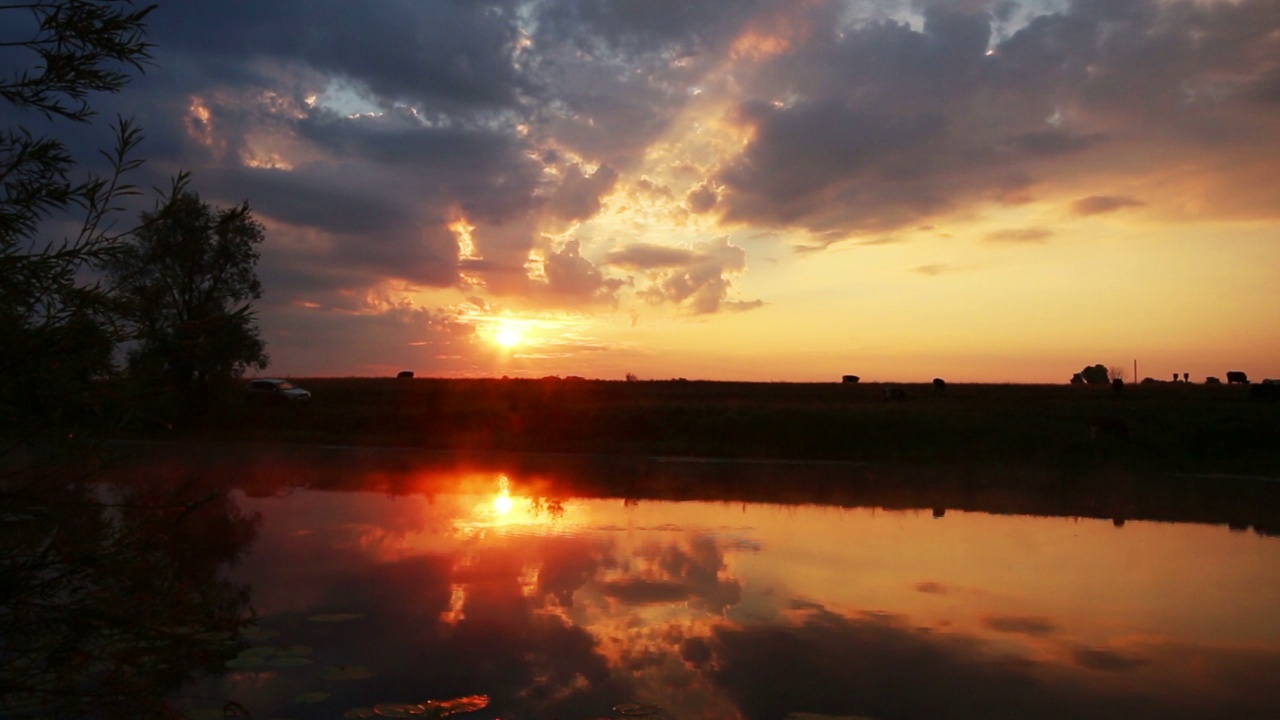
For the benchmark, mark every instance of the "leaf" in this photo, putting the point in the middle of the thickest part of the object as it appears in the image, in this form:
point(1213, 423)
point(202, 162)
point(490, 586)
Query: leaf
point(245, 662)
point(295, 651)
point(312, 697)
point(346, 672)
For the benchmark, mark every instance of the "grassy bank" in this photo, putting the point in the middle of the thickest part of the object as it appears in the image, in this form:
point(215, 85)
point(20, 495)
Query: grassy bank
point(1166, 427)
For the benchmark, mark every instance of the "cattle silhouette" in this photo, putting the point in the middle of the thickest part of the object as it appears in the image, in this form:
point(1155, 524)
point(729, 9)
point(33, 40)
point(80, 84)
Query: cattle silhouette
point(1211, 380)
point(894, 393)
point(1236, 376)
point(939, 386)
point(404, 375)
point(850, 379)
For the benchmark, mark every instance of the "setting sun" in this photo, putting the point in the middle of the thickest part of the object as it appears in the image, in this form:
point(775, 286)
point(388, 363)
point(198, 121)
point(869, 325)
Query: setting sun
point(507, 337)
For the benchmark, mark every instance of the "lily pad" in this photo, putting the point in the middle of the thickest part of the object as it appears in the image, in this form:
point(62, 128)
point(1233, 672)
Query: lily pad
point(334, 617)
point(253, 633)
point(285, 661)
point(346, 672)
point(245, 662)
point(312, 697)
point(469, 703)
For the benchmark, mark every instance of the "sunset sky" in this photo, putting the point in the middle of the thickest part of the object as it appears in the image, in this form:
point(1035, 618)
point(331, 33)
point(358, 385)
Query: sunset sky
point(773, 190)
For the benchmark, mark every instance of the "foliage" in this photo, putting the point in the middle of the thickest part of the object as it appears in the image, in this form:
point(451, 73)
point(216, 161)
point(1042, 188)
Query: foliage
point(185, 282)
point(1096, 375)
point(54, 325)
point(107, 603)
point(113, 598)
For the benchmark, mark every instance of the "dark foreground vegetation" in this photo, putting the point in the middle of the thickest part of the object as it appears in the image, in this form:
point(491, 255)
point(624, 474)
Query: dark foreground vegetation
point(1161, 428)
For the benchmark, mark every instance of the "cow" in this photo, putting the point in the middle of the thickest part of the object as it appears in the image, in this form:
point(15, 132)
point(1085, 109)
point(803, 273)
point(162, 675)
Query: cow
point(894, 393)
point(939, 386)
point(1236, 376)
point(850, 379)
point(404, 375)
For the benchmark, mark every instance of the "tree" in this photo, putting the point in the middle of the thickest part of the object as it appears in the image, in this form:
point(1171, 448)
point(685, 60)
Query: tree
point(185, 283)
point(54, 324)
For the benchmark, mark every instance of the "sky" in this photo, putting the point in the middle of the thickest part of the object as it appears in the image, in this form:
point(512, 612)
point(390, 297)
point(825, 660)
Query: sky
point(765, 190)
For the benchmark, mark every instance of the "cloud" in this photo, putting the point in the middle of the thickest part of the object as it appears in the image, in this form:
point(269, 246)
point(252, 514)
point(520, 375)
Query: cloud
point(698, 278)
point(1100, 204)
point(1019, 235)
point(578, 197)
point(933, 270)
point(1035, 626)
point(571, 275)
point(701, 198)
point(1106, 660)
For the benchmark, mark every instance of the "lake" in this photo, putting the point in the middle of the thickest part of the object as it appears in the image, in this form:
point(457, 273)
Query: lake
point(381, 587)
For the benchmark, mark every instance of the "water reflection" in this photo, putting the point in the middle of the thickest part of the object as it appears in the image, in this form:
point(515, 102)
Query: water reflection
point(112, 597)
point(568, 606)
point(768, 592)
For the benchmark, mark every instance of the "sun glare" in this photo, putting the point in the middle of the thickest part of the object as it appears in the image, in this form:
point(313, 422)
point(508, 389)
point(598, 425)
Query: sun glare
point(507, 337)
point(502, 503)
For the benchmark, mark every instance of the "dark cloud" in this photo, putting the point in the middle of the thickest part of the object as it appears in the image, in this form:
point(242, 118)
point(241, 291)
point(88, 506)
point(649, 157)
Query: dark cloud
point(1053, 142)
point(880, 126)
point(932, 588)
point(578, 196)
point(1036, 626)
point(877, 666)
point(457, 56)
point(698, 279)
point(1106, 660)
point(1100, 204)
point(570, 274)
point(635, 591)
point(1020, 235)
point(649, 257)
point(701, 198)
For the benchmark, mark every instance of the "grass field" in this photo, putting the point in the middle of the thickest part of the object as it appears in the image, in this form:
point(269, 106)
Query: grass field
point(1163, 427)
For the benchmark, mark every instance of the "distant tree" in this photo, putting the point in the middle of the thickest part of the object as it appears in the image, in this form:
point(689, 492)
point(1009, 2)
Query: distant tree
point(185, 283)
point(1096, 375)
point(1116, 372)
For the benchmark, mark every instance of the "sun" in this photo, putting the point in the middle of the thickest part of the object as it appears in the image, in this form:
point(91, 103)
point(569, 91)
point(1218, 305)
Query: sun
point(507, 337)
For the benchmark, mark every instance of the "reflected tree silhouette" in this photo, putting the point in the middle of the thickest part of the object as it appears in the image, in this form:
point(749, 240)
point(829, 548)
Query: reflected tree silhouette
point(111, 597)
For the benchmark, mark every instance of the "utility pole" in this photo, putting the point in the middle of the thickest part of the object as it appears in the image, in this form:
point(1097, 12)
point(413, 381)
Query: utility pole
point(1135, 370)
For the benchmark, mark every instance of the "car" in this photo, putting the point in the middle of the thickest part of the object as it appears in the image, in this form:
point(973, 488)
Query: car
point(276, 391)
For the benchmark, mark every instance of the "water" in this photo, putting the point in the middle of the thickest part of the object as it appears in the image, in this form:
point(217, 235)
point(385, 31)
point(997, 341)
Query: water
point(391, 587)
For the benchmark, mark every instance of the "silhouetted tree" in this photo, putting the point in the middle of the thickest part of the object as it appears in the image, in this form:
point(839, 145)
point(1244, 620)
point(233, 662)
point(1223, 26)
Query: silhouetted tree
point(54, 324)
point(186, 282)
point(1096, 375)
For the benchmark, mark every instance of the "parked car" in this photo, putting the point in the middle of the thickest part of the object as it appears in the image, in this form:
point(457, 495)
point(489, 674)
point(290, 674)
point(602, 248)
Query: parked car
point(275, 391)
